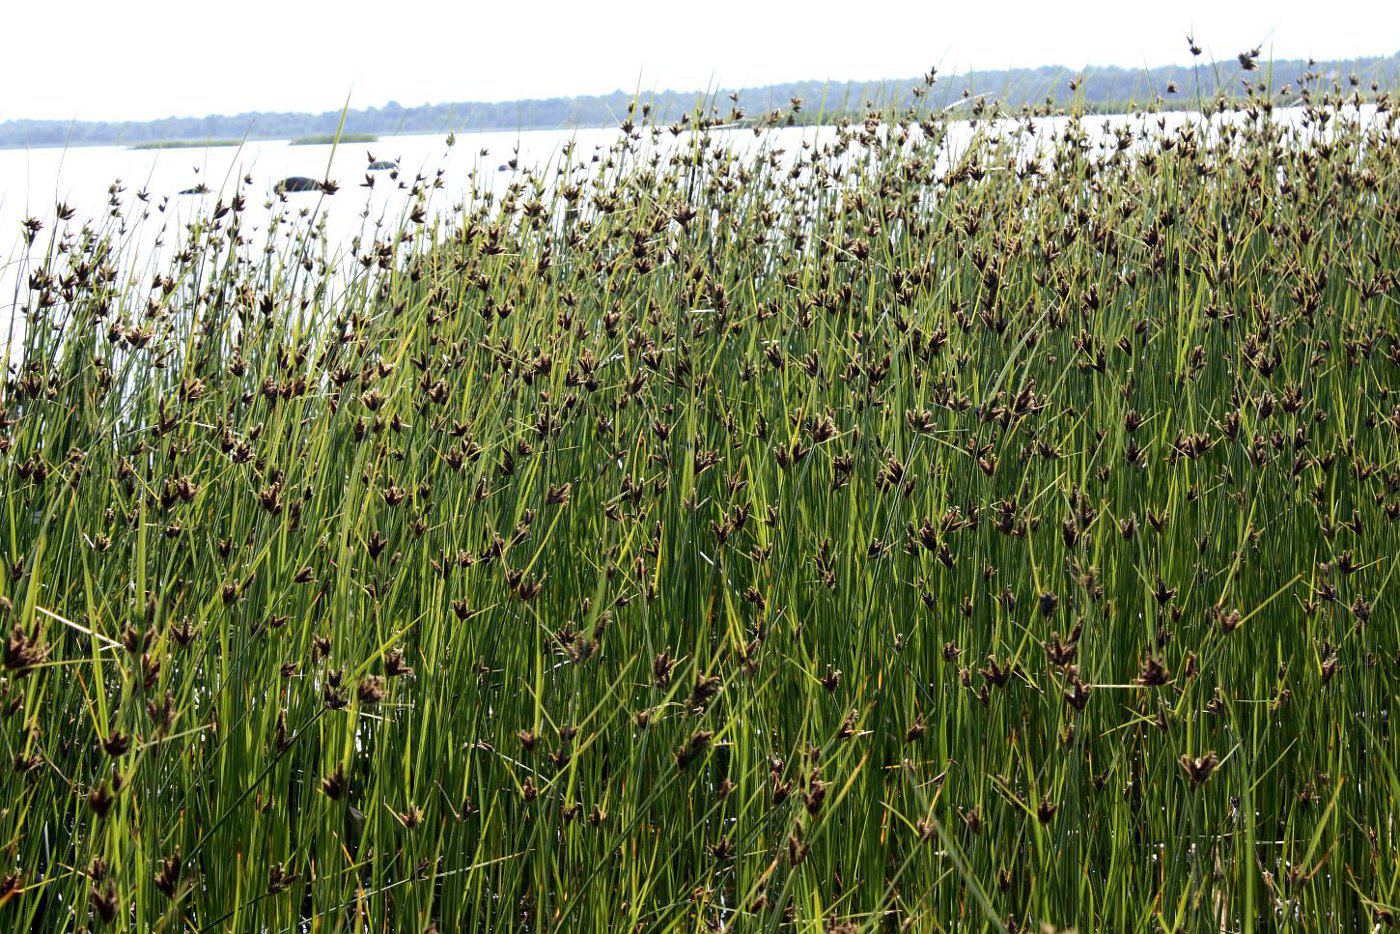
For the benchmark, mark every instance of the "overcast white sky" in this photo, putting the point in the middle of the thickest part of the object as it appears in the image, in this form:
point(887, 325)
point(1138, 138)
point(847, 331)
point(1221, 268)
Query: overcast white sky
point(136, 59)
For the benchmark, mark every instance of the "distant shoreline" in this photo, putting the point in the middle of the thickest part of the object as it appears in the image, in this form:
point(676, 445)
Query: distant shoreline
point(331, 139)
point(1095, 89)
point(831, 119)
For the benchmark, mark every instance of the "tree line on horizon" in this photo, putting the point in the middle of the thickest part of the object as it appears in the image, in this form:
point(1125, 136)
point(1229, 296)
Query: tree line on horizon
point(1099, 87)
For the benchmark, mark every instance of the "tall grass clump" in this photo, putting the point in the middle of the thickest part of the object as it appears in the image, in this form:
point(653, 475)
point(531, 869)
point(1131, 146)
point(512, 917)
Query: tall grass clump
point(941, 521)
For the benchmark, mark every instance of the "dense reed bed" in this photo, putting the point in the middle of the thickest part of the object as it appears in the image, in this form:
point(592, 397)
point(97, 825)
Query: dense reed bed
point(880, 534)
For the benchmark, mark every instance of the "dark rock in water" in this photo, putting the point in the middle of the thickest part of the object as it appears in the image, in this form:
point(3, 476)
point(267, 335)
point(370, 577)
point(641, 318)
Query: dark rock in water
point(200, 189)
point(383, 165)
point(298, 183)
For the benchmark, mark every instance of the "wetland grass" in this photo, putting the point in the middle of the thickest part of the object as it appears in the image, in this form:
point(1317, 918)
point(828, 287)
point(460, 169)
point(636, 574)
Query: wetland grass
point(891, 533)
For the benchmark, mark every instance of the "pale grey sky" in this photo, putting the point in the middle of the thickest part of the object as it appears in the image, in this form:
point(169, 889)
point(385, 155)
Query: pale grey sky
point(99, 59)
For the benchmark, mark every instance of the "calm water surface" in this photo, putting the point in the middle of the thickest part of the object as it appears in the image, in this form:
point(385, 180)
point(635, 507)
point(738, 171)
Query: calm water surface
point(34, 182)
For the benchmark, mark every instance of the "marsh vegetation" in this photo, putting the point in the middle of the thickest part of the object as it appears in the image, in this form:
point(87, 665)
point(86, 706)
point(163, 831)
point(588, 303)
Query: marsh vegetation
point(872, 533)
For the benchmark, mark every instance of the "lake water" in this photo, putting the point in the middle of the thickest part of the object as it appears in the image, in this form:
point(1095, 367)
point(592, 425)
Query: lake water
point(33, 182)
